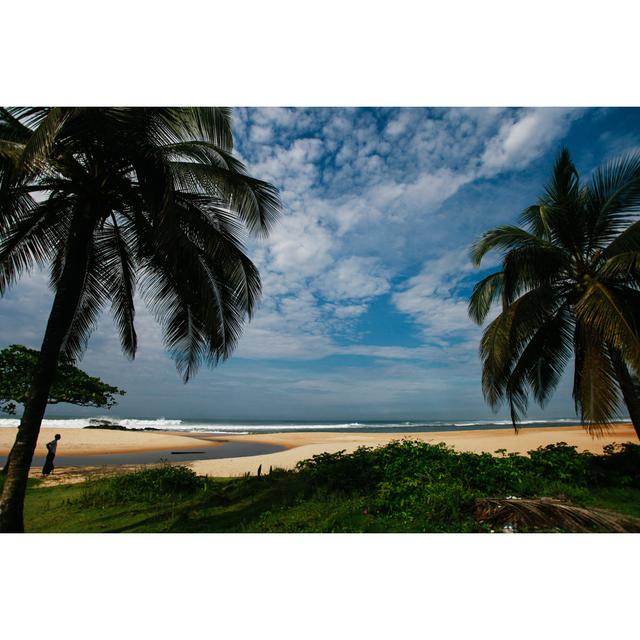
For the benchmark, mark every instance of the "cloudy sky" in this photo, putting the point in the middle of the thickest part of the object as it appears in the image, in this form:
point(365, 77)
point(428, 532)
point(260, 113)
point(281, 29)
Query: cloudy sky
point(367, 274)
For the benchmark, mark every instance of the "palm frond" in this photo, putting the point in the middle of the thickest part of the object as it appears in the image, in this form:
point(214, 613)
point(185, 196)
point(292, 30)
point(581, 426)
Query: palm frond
point(93, 298)
point(596, 390)
point(484, 294)
point(38, 148)
point(115, 245)
point(504, 339)
point(213, 124)
point(605, 312)
point(531, 266)
point(535, 218)
point(200, 287)
point(29, 117)
point(541, 363)
point(169, 125)
point(505, 238)
point(12, 129)
point(625, 242)
point(563, 204)
point(531, 514)
point(255, 202)
point(36, 232)
point(625, 265)
point(613, 198)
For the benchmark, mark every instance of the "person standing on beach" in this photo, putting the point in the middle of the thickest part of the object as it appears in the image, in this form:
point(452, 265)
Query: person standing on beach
point(51, 454)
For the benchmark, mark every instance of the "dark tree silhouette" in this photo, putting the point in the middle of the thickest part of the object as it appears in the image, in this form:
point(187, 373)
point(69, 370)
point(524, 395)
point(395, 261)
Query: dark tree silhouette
point(569, 286)
point(70, 384)
point(114, 198)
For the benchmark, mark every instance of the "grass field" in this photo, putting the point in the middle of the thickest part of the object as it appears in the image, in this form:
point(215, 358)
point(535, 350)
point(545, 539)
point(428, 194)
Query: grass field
point(402, 487)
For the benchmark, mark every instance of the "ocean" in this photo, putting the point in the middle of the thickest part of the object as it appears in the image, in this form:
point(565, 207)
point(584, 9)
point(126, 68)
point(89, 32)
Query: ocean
point(246, 427)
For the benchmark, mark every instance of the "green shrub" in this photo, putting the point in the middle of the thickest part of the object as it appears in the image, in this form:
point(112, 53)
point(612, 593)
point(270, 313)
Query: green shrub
point(562, 463)
point(403, 486)
point(415, 480)
point(148, 485)
point(618, 466)
point(434, 503)
point(342, 472)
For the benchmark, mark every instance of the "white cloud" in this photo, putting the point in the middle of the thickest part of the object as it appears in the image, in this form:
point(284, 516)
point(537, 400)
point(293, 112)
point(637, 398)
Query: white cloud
point(354, 278)
point(261, 134)
point(349, 310)
point(299, 247)
point(523, 138)
point(348, 225)
point(430, 297)
point(398, 125)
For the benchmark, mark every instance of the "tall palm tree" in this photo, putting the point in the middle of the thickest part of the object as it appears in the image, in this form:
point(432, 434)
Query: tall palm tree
point(569, 286)
point(111, 198)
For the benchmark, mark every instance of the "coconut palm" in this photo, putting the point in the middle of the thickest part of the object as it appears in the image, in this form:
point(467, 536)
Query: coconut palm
point(117, 199)
point(569, 286)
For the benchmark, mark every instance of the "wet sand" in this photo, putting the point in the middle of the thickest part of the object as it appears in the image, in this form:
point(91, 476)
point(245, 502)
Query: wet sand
point(226, 449)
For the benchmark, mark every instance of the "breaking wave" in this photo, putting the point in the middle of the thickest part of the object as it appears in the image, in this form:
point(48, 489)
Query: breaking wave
point(244, 428)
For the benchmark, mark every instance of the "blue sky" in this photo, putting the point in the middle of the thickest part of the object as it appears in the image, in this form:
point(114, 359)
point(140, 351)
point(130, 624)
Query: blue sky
point(366, 275)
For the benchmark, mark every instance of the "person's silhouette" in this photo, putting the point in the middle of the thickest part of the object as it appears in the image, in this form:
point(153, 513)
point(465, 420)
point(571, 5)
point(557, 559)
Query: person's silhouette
point(51, 454)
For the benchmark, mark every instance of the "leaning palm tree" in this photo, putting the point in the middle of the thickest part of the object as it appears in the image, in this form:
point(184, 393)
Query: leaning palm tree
point(569, 285)
point(114, 199)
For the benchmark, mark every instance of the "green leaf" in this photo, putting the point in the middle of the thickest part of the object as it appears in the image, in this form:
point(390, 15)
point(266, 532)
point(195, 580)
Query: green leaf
point(72, 385)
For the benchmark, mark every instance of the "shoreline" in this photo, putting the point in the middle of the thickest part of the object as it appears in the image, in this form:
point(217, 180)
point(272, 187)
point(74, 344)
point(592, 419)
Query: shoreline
point(79, 442)
point(300, 445)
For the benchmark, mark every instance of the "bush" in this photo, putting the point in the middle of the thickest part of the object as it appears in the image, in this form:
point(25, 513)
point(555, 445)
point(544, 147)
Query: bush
point(619, 466)
point(149, 485)
point(561, 463)
point(403, 486)
point(342, 472)
point(433, 503)
point(418, 482)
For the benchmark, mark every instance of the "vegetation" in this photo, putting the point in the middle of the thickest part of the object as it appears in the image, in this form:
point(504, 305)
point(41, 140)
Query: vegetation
point(404, 486)
point(109, 198)
point(70, 384)
point(569, 286)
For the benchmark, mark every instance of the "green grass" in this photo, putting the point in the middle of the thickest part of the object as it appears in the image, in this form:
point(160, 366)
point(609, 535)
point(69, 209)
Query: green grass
point(402, 487)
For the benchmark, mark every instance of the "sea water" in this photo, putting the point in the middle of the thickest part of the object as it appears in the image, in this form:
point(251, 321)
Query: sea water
point(245, 427)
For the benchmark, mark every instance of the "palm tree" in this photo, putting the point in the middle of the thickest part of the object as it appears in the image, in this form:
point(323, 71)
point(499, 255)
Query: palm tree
point(110, 198)
point(569, 286)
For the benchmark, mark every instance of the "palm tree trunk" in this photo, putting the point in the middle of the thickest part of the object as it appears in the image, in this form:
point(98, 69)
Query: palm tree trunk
point(66, 300)
point(629, 390)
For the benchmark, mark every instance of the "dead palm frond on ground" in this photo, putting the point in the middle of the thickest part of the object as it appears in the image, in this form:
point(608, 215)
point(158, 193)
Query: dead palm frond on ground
point(550, 514)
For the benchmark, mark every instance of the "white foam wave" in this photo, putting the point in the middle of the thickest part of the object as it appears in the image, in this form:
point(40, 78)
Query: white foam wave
point(245, 428)
point(178, 425)
point(72, 423)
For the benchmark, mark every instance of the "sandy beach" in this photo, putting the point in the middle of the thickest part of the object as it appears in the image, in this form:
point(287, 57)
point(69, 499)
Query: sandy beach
point(304, 445)
point(301, 445)
point(101, 441)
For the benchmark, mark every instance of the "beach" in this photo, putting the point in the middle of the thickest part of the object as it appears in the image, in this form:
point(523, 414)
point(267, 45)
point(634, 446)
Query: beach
point(305, 445)
point(105, 441)
point(300, 445)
